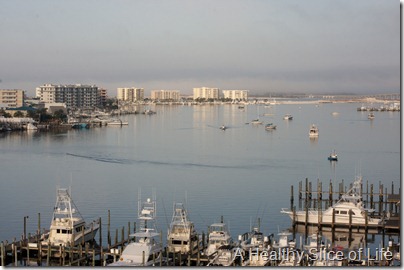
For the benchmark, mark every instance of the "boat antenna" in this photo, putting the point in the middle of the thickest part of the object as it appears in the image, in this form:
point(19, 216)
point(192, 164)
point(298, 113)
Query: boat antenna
point(165, 212)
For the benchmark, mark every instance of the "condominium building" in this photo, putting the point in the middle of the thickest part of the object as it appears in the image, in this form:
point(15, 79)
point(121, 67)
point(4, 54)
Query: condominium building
point(206, 93)
point(236, 94)
point(74, 96)
point(173, 95)
point(103, 96)
point(130, 94)
point(12, 98)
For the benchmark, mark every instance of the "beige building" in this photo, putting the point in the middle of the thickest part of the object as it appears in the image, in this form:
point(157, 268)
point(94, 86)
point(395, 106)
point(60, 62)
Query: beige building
point(12, 98)
point(130, 94)
point(236, 94)
point(206, 93)
point(173, 95)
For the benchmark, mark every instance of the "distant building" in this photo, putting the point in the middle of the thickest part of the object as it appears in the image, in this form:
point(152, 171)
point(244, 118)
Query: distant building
point(130, 94)
point(172, 95)
point(54, 107)
point(12, 98)
point(206, 93)
point(74, 96)
point(236, 94)
point(103, 96)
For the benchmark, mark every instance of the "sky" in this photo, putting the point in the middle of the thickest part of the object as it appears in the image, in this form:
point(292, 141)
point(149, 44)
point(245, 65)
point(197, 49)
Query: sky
point(264, 46)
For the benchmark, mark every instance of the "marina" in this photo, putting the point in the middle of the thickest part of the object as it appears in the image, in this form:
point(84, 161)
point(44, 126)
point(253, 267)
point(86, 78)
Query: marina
point(244, 174)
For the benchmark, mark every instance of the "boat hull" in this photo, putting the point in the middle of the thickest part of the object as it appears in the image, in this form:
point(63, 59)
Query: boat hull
point(326, 219)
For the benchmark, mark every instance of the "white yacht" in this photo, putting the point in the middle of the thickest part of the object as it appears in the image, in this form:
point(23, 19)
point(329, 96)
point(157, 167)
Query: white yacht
point(68, 226)
point(146, 249)
point(218, 236)
point(350, 201)
point(313, 133)
point(181, 237)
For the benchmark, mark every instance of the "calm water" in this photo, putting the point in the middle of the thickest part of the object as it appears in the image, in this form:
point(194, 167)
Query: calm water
point(242, 173)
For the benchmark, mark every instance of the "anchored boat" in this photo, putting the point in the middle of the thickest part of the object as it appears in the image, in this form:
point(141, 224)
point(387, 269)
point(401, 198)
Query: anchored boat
point(313, 132)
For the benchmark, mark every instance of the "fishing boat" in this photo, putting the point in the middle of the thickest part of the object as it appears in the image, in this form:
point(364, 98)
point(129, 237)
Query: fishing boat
point(288, 117)
point(146, 249)
point(270, 126)
point(254, 244)
point(349, 207)
point(371, 116)
point(68, 226)
point(333, 156)
point(313, 132)
point(219, 235)
point(181, 237)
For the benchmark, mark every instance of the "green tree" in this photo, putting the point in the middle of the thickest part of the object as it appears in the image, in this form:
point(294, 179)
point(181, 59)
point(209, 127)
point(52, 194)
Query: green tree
point(18, 114)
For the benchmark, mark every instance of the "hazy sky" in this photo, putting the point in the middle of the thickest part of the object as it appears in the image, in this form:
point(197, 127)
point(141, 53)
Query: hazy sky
point(308, 46)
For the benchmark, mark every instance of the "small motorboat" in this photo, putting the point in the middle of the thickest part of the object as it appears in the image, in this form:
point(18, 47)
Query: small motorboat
point(333, 156)
point(270, 126)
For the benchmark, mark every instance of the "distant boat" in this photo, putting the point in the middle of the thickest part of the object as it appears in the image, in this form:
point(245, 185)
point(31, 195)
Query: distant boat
point(288, 117)
point(270, 126)
point(371, 116)
point(333, 156)
point(223, 127)
point(313, 132)
point(117, 122)
point(256, 122)
point(31, 126)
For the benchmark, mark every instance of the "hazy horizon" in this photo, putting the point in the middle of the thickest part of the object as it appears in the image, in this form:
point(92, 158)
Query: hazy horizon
point(311, 46)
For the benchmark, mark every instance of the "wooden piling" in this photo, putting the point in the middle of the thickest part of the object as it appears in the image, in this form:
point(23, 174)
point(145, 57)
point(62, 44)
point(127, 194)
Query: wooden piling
point(291, 197)
point(330, 194)
point(2, 253)
point(371, 196)
point(307, 189)
point(108, 228)
point(310, 194)
point(300, 190)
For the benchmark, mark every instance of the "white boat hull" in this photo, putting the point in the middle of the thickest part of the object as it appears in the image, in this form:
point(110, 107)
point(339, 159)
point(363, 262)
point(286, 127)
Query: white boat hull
point(326, 219)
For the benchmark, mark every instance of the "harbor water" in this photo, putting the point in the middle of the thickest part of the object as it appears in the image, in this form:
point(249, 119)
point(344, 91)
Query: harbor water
point(242, 173)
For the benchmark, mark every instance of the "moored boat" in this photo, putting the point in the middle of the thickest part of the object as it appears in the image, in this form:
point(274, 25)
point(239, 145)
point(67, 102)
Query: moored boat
point(68, 226)
point(349, 209)
point(219, 235)
point(181, 237)
point(146, 250)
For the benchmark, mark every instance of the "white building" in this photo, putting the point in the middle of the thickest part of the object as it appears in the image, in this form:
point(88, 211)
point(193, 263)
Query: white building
point(236, 94)
point(73, 95)
point(130, 94)
point(173, 95)
point(206, 93)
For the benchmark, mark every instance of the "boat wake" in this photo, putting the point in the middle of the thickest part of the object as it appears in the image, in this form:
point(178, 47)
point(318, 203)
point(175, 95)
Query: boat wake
point(131, 161)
